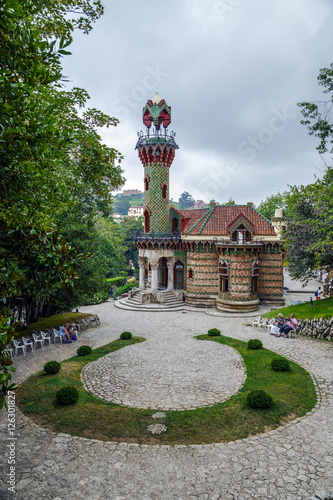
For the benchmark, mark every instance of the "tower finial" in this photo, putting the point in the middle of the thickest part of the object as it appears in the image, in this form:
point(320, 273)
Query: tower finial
point(156, 99)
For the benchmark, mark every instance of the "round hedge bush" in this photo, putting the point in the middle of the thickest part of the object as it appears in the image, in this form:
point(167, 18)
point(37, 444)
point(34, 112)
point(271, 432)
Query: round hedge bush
point(67, 395)
point(214, 332)
point(259, 399)
point(84, 350)
point(254, 344)
point(126, 336)
point(51, 367)
point(280, 365)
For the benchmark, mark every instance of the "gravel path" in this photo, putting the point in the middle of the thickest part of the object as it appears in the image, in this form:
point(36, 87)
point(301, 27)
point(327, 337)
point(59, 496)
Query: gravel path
point(292, 462)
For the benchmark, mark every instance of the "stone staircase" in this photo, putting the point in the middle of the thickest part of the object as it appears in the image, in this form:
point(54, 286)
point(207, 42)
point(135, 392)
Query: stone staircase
point(171, 303)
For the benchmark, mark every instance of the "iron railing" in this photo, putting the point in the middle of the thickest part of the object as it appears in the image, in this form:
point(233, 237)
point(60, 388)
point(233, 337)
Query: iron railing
point(155, 236)
point(156, 137)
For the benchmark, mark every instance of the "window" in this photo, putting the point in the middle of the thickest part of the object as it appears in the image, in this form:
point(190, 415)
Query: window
point(174, 225)
point(224, 276)
point(254, 280)
point(190, 274)
point(241, 235)
point(179, 275)
point(164, 190)
point(147, 221)
point(147, 180)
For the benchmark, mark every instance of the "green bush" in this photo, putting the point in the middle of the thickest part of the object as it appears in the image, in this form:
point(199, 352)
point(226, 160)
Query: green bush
point(123, 289)
point(84, 350)
point(67, 395)
point(51, 367)
point(214, 332)
point(259, 399)
point(126, 335)
point(280, 365)
point(254, 344)
point(119, 281)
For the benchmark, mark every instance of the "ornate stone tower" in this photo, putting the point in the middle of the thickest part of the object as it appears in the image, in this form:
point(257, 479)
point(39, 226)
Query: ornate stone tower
point(156, 151)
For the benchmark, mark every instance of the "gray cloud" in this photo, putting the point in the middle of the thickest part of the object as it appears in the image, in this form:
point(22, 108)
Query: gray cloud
point(232, 71)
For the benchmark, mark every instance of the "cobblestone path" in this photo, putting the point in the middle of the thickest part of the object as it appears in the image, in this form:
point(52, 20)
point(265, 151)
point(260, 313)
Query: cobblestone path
point(293, 462)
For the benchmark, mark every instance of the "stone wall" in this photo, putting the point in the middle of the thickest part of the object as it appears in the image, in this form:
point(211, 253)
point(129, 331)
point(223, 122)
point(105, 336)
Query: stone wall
point(316, 328)
point(88, 322)
point(205, 282)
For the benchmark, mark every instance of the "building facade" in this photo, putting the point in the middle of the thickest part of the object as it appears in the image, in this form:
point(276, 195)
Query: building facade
point(222, 256)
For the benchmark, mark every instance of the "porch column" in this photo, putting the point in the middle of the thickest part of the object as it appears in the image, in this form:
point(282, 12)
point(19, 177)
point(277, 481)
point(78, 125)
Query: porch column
point(170, 265)
point(154, 276)
point(142, 265)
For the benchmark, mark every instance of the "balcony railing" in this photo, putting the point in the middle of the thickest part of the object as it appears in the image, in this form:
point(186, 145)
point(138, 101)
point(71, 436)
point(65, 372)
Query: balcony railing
point(156, 137)
point(238, 242)
point(155, 236)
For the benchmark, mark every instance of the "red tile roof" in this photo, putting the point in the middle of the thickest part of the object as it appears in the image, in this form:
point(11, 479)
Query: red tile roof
point(215, 221)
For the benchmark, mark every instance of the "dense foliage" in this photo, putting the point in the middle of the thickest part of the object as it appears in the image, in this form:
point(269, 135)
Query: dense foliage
point(125, 335)
point(268, 206)
point(186, 200)
point(280, 365)
point(84, 350)
point(214, 332)
point(254, 344)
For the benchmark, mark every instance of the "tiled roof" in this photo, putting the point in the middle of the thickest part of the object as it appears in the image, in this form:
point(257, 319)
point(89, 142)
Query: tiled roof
point(215, 221)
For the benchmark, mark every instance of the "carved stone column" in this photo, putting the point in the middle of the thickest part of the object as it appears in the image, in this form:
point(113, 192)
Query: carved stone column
point(154, 276)
point(142, 266)
point(170, 265)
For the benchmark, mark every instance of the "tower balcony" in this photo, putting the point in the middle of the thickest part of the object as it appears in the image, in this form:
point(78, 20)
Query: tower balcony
point(156, 137)
point(156, 239)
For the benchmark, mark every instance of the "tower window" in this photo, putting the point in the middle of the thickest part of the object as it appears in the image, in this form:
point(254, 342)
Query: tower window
point(224, 276)
point(164, 190)
point(147, 180)
point(147, 221)
point(190, 274)
point(254, 279)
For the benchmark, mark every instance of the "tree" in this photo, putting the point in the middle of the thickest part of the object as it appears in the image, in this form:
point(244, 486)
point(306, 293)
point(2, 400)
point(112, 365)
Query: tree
point(122, 204)
point(186, 200)
point(268, 206)
point(309, 231)
point(127, 227)
point(52, 159)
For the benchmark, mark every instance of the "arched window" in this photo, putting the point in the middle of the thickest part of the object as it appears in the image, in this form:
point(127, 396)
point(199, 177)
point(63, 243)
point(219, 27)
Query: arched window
point(224, 276)
point(190, 274)
point(164, 190)
point(174, 225)
point(147, 221)
point(254, 279)
point(147, 180)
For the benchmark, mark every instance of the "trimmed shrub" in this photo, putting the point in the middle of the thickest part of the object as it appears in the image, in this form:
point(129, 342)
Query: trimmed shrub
point(280, 365)
point(259, 399)
point(123, 289)
point(67, 395)
point(126, 336)
point(84, 350)
point(254, 344)
point(51, 367)
point(214, 332)
point(119, 281)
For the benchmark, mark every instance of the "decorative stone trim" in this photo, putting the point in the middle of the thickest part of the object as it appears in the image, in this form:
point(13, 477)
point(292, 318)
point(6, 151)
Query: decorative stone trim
point(88, 322)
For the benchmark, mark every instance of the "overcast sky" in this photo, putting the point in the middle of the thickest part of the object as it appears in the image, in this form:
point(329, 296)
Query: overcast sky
point(232, 72)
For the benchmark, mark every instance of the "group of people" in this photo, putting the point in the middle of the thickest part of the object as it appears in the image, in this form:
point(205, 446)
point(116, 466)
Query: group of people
point(283, 325)
point(68, 332)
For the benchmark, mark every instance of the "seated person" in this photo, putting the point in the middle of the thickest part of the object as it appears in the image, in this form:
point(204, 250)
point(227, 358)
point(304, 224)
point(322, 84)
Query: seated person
point(291, 324)
point(71, 331)
point(64, 333)
point(278, 323)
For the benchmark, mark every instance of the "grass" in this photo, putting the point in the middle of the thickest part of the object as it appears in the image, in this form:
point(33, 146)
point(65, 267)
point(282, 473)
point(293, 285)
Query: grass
point(321, 309)
point(293, 393)
point(54, 321)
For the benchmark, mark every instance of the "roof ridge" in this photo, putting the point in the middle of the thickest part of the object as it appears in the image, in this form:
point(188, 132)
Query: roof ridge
point(211, 210)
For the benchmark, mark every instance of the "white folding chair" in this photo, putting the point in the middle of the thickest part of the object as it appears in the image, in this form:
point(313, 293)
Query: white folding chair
point(38, 341)
point(56, 335)
point(268, 325)
point(28, 343)
point(10, 352)
point(46, 336)
point(256, 322)
point(18, 346)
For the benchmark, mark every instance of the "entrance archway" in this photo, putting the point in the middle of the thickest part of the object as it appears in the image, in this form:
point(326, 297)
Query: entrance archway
point(164, 273)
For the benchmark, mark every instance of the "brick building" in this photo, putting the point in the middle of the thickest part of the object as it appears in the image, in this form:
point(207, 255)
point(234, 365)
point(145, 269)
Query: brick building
point(224, 256)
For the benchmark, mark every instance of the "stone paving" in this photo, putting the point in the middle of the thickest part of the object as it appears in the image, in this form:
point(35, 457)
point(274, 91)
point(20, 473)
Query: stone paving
point(292, 462)
point(171, 372)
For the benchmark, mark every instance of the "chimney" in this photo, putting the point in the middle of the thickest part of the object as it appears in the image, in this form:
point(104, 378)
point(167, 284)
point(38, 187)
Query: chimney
point(250, 204)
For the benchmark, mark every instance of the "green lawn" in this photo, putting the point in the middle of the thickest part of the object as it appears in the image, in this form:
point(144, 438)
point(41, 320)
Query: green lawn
point(293, 394)
point(321, 309)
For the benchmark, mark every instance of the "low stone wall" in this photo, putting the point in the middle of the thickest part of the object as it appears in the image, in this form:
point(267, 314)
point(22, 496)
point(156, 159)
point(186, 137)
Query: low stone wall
point(88, 322)
point(316, 328)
